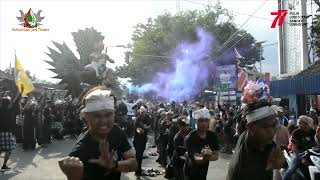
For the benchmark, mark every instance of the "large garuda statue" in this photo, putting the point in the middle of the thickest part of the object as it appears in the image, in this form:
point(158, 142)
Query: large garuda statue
point(89, 70)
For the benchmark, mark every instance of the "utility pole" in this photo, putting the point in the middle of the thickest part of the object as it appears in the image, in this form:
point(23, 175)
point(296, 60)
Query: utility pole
point(177, 6)
point(260, 58)
point(260, 53)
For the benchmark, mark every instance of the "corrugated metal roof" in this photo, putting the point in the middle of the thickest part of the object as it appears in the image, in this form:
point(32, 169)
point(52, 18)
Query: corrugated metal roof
point(297, 85)
point(311, 70)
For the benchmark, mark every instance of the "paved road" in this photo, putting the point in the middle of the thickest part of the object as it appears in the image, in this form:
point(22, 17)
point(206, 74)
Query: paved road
point(41, 164)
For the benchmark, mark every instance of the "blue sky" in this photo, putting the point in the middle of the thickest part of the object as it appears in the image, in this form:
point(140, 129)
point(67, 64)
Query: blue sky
point(115, 19)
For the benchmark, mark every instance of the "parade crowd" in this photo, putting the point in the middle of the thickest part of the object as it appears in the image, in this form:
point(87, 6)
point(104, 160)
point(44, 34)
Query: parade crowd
point(187, 135)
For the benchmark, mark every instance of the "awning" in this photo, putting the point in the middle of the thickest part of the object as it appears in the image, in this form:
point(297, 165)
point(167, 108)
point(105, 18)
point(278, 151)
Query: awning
point(297, 85)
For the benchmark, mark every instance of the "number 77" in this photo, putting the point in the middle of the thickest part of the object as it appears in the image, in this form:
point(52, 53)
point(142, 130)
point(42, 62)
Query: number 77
point(281, 14)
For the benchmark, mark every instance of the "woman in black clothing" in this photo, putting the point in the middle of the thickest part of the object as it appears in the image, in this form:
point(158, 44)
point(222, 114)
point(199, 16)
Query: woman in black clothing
point(163, 139)
point(178, 158)
point(30, 113)
point(173, 130)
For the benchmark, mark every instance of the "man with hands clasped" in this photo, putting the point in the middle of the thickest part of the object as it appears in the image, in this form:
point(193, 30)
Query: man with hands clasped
point(103, 151)
point(202, 147)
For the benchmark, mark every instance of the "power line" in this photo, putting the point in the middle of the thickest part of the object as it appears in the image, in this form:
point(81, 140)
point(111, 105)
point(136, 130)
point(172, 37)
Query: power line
point(270, 44)
point(242, 36)
point(148, 55)
point(231, 38)
point(258, 17)
point(241, 28)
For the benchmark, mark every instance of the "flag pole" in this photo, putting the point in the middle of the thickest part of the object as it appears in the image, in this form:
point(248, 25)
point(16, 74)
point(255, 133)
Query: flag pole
point(15, 64)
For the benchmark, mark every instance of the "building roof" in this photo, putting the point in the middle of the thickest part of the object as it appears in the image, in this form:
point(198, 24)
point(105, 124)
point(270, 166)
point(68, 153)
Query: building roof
point(5, 75)
point(311, 70)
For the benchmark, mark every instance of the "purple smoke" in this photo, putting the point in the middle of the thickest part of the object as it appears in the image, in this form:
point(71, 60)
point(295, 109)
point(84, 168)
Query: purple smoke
point(190, 73)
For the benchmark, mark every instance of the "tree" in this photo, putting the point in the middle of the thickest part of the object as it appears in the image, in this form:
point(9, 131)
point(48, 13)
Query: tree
point(159, 36)
point(315, 34)
point(315, 31)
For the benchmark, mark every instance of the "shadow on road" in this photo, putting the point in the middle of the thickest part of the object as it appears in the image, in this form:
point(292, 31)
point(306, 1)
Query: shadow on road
point(21, 160)
point(18, 164)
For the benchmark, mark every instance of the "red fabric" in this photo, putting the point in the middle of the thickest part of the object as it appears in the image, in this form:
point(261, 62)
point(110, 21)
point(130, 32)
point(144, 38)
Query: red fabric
point(290, 146)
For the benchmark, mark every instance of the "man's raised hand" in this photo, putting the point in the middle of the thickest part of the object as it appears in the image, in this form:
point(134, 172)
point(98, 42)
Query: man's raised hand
point(105, 159)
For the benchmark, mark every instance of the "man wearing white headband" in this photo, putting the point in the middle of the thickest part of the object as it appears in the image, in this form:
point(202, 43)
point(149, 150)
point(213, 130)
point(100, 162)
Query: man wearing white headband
point(103, 151)
point(256, 154)
point(202, 147)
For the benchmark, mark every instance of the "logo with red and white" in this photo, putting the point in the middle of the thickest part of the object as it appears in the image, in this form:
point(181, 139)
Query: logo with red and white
point(30, 21)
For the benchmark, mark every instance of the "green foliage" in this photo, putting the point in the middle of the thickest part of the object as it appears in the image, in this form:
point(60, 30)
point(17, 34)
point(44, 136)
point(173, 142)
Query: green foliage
point(315, 31)
point(315, 34)
point(160, 36)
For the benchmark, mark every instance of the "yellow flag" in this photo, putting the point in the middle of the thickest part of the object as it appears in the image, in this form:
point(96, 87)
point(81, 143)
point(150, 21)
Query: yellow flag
point(21, 78)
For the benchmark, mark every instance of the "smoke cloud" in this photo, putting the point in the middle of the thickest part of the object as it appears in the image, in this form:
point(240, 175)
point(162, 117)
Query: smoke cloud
point(190, 73)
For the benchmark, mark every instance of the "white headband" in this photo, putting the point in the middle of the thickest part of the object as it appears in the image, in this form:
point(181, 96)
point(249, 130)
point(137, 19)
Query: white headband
point(202, 113)
point(98, 100)
point(260, 114)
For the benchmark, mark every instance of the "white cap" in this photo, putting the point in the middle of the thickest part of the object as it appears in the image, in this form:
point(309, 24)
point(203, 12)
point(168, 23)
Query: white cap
point(98, 100)
point(313, 110)
point(186, 120)
point(310, 123)
point(307, 120)
point(202, 113)
point(142, 109)
point(303, 118)
point(277, 108)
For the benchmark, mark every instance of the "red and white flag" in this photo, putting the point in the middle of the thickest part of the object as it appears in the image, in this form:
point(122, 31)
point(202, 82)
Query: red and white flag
point(242, 75)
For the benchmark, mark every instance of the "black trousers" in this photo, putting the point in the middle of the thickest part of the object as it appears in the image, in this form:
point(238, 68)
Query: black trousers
point(46, 132)
point(140, 146)
point(29, 137)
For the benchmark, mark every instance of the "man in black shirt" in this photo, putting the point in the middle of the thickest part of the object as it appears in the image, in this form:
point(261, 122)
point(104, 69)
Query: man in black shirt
point(256, 155)
point(8, 112)
point(140, 136)
point(202, 147)
point(103, 151)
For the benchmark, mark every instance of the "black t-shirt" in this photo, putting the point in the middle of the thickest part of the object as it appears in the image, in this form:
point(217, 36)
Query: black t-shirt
point(249, 163)
point(146, 121)
point(87, 148)
point(195, 144)
point(304, 140)
point(8, 117)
